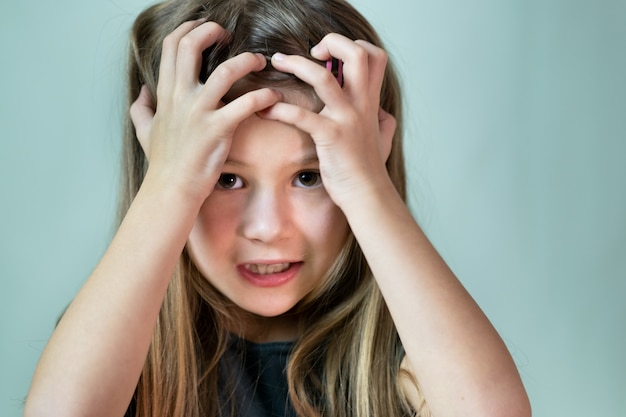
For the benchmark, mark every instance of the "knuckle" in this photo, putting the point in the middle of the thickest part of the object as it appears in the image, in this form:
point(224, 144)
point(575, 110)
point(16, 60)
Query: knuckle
point(331, 37)
point(255, 100)
point(187, 43)
point(249, 101)
point(169, 41)
point(360, 54)
point(381, 55)
point(299, 113)
point(223, 72)
point(172, 39)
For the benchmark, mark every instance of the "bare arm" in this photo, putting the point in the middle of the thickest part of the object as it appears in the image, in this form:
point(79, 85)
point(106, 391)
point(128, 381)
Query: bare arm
point(462, 364)
point(93, 360)
point(460, 361)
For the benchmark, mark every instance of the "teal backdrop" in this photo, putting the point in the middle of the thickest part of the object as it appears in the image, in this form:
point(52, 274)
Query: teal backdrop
point(516, 149)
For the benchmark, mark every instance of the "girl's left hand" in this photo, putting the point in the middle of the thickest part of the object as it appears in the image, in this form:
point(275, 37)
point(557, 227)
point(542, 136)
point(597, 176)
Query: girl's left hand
point(352, 134)
point(462, 365)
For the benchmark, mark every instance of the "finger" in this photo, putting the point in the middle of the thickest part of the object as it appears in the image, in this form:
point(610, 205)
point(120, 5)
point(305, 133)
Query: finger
point(227, 73)
point(190, 48)
point(377, 63)
point(364, 64)
point(141, 114)
point(169, 51)
point(323, 81)
point(250, 103)
point(355, 59)
point(292, 114)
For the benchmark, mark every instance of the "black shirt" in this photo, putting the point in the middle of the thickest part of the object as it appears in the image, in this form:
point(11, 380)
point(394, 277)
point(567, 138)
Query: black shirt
point(252, 380)
point(257, 375)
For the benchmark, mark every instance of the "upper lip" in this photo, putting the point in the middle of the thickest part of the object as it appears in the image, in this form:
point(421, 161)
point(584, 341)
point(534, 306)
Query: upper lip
point(269, 261)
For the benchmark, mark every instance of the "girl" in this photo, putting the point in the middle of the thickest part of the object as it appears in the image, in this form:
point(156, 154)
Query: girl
point(266, 263)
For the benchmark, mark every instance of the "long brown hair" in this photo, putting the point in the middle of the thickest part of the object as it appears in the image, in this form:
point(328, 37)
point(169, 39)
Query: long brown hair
point(347, 363)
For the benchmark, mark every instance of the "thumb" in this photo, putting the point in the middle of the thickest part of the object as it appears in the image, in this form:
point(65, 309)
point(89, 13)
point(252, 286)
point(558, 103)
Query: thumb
point(141, 114)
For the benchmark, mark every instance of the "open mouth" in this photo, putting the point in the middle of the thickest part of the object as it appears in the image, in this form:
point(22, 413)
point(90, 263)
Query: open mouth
point(266, 269)
point(269, 275)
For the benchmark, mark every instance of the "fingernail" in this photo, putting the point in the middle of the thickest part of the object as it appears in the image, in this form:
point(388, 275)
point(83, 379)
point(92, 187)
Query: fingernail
point(261, 57)
point(278, 57)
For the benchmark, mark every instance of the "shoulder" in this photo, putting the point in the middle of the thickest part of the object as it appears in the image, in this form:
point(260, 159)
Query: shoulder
point(410, 387)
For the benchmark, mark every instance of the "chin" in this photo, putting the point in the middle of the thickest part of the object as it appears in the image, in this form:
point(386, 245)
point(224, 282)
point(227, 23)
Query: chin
point(271, 304)
point(269, 310)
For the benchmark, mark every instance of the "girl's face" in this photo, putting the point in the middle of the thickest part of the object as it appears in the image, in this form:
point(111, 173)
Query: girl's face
point(269, 232)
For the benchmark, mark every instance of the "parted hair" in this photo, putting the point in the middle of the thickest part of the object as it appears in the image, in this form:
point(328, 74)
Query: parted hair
point(347, 361)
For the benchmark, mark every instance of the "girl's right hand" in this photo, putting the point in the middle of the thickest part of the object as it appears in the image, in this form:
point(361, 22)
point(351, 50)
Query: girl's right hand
point(187, 136)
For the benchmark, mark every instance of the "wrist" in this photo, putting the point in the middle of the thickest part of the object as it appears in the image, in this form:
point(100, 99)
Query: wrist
point(175, 188)
point(367, 194)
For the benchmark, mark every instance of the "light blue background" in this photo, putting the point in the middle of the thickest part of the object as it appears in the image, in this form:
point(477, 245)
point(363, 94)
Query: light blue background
point(516, 117)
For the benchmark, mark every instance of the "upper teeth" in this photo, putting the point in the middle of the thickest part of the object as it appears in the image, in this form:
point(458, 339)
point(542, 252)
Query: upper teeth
point(264, 269)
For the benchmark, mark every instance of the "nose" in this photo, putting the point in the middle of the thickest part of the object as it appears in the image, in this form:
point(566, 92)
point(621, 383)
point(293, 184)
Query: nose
point(266, 217)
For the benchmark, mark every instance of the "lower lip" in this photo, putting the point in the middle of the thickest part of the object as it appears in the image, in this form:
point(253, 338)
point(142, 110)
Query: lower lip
point(270, 280)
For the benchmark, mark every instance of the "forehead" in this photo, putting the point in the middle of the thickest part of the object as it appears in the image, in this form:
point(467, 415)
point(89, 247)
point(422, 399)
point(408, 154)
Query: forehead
point(256, 131)
point(267, 143)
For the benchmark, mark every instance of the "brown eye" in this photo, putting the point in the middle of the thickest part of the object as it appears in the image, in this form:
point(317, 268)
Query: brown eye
point(229, 182)
point(308, 179)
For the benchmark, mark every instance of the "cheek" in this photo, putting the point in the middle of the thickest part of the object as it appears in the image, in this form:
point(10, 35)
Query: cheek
point(324, 224)
point(313, 223)
point(212, 232)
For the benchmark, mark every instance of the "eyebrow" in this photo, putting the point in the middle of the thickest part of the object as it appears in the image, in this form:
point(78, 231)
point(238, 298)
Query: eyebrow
point(308, 158)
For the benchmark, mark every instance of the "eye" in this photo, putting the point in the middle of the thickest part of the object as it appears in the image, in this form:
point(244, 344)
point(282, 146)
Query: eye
point(229, 182)
point(308, 179)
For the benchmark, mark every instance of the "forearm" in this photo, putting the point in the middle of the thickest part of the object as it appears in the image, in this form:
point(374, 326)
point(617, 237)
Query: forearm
point(94, 358)
point(459, 359)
